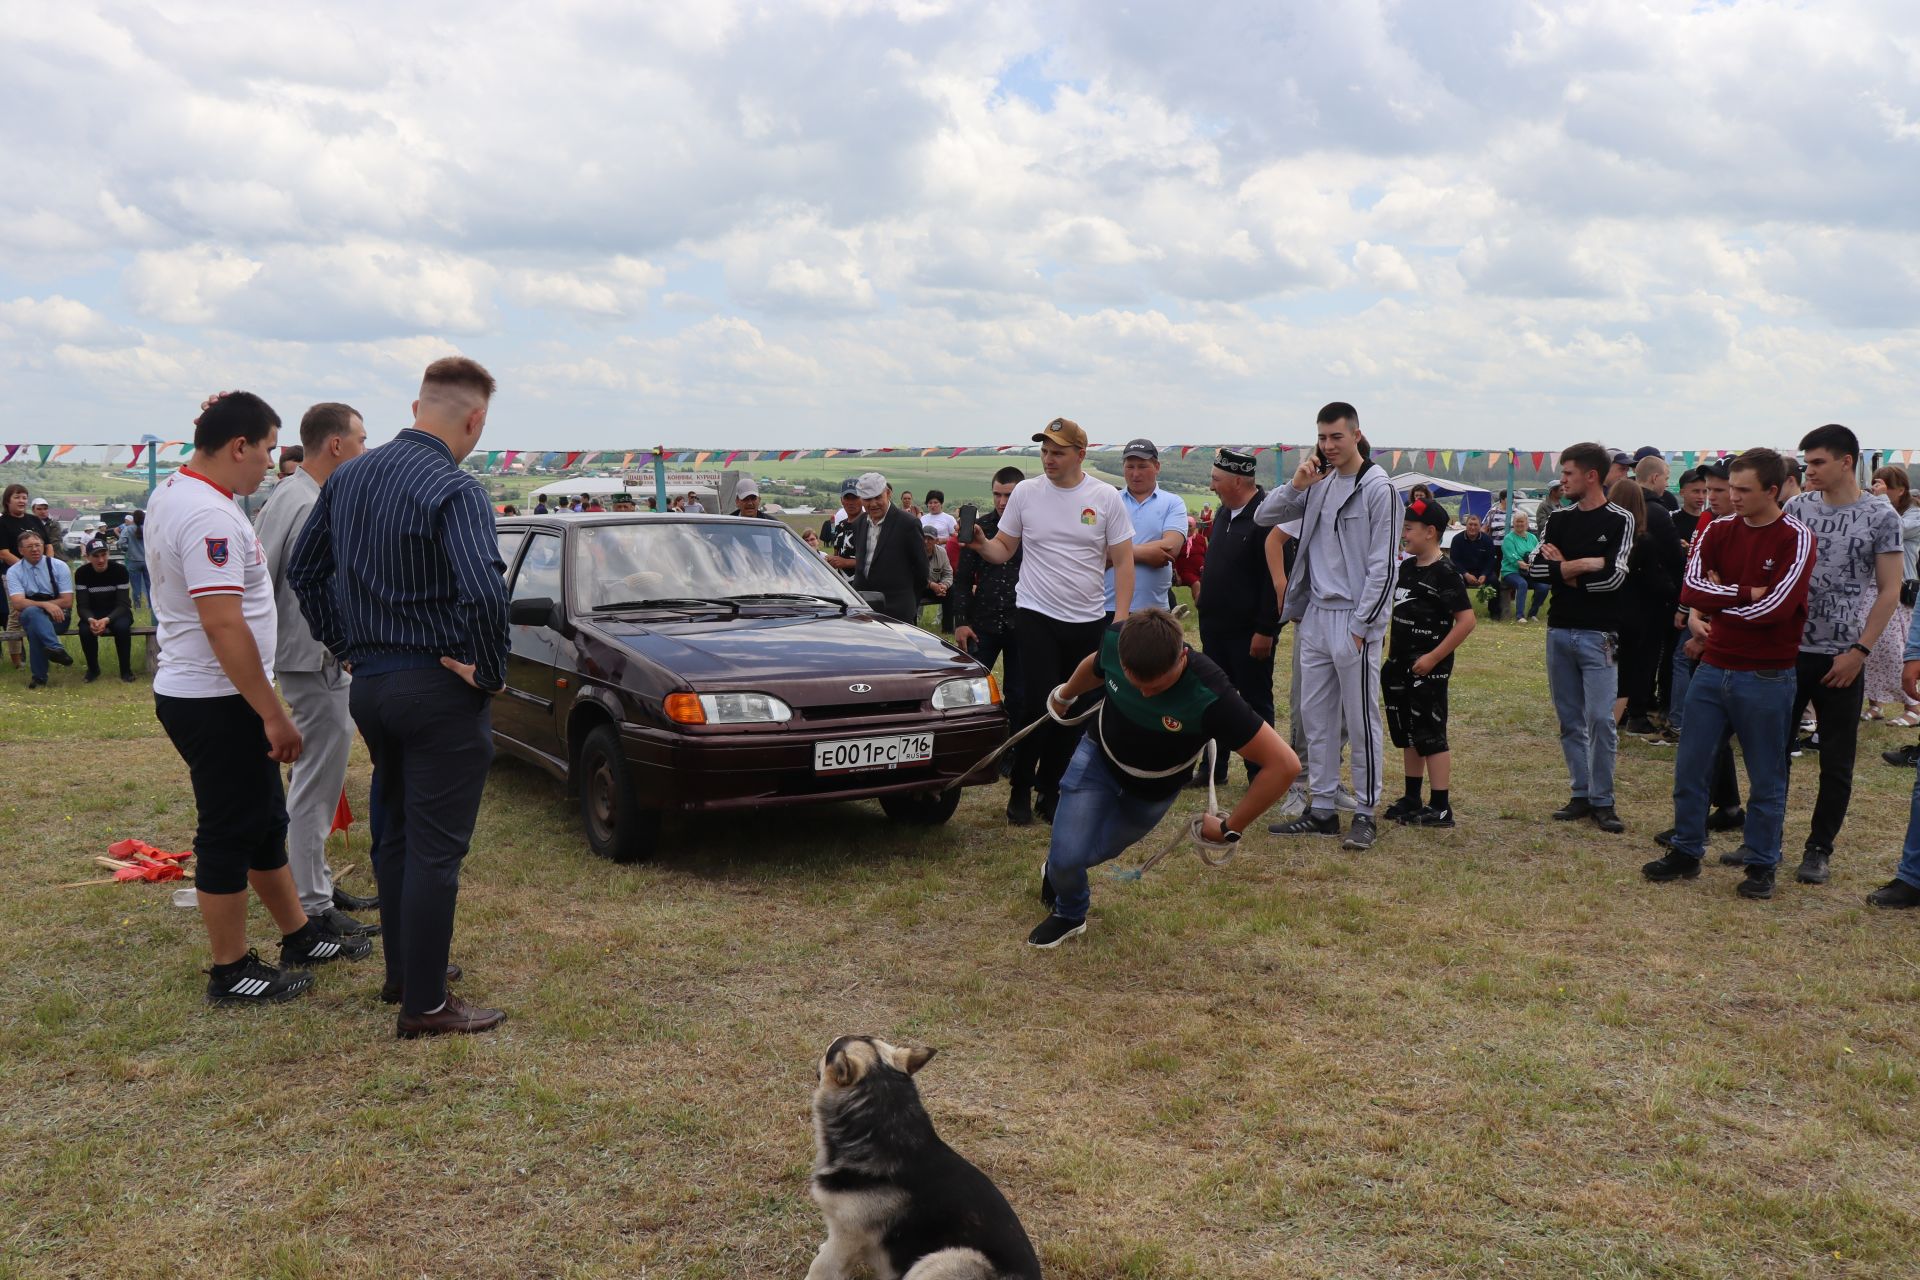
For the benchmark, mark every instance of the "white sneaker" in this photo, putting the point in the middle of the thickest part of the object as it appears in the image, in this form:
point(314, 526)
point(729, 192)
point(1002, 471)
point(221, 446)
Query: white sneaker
point(1345, 801)
point(1294, 803)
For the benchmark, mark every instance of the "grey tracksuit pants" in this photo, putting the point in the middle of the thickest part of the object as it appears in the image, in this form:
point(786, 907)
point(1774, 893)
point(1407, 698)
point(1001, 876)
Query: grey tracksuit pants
point(1339, 696)
point(317, 702)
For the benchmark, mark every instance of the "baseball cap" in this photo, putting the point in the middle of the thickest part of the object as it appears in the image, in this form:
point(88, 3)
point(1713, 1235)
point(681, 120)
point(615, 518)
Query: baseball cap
point(850, 486)
point(1065, 432)
point(37, 502)
point(746, 487)
point(1646, 451)
point(1622, 458)
point(1421, 511)
point(1141, 448)
point(95, 547)
point(870, 485)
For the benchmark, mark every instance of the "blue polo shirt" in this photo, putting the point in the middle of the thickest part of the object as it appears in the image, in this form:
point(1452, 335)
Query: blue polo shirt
point(1153, 517)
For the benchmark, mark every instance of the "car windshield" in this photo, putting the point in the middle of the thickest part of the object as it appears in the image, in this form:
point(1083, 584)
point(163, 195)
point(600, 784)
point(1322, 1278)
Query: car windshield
point(686, 561)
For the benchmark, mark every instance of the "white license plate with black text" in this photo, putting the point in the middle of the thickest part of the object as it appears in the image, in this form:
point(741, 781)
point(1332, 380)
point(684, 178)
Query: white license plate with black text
point(854, 755)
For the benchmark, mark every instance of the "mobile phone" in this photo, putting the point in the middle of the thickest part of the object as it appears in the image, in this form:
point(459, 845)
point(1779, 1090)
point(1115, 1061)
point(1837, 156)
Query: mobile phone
point(968, 514)
point(1320, 462)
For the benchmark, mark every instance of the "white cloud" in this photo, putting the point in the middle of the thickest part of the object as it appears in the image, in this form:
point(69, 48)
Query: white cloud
point(846, 215)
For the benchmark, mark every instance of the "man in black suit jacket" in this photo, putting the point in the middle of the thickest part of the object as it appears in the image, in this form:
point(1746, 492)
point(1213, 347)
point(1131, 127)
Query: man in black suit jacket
point(887, 550)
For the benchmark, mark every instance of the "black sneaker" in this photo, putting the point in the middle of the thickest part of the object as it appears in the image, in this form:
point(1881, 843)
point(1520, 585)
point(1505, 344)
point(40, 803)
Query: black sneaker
point(126, 677)
point(1675, 866)
point(1360, 837)
point(1902, 757)
point(1432, 817)
point(1308, 825)
point(35, 682)
point(1405, 809)
point(1731, 818)
point(1574, 810)
point(59, 657)
point(90, 677)
point(1019, 812)
point(1054, 930)
point(1758, 884)
point(1638, 726)
point(1895, 895)
point(322, 946)
point(257, 982)
point(1047, 895)
point(1813, 867)
point(1738, 858)
point(334, 920)
point(1665, 838)
point(1607, 820)
point(1049, 801)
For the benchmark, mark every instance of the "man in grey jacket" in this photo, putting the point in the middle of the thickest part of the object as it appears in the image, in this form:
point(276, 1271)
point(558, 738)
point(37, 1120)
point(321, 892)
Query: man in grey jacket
point(311, 681)
point(1341, 598)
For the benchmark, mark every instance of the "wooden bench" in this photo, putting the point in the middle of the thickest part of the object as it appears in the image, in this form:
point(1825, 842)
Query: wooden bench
point(17, 638)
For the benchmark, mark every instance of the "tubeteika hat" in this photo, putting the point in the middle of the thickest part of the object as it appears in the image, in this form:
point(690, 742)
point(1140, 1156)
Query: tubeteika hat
point(1063, 431)
point(1234, 462)
point(870, 485)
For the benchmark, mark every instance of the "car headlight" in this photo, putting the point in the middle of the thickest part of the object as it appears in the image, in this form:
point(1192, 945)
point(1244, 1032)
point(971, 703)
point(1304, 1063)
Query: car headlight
point(744, 708)
point(969, 691)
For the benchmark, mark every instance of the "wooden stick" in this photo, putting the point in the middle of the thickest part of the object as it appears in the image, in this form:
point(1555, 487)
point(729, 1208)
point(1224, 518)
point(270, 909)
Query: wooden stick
point(75, 884)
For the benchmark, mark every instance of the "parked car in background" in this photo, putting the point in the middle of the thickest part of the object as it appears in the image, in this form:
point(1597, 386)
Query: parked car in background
point(682, 664)
point(73, 543)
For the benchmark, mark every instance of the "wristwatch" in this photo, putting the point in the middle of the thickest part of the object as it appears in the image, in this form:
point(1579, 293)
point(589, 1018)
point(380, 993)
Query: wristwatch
point(1230, 836)
point(1862, 648)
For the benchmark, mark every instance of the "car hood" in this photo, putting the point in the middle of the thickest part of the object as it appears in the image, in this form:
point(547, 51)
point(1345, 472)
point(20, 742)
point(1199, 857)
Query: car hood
point(737, 651)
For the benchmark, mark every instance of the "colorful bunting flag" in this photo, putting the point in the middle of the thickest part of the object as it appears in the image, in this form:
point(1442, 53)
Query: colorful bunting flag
point(137, 449)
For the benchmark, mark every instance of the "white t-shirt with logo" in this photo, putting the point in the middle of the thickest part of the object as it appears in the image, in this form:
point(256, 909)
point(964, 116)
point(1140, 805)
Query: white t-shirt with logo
point(1064, 535)
point(200, 543)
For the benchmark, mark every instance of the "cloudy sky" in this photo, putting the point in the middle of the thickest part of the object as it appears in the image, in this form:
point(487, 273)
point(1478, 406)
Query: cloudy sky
point(856, 222)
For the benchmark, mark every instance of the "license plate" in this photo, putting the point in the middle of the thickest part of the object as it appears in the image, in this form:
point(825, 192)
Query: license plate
point(855, 755)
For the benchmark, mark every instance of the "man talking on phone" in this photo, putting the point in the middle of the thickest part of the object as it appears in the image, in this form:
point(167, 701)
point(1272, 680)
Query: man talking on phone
point(1340, 595)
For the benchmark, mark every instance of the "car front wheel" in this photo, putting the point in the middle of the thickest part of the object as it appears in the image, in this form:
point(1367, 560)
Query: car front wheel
point(921, 808)
point(617, 826)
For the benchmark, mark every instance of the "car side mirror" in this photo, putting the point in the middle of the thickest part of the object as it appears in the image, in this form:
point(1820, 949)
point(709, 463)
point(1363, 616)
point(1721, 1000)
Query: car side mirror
point(875, 600)
point(534, 611)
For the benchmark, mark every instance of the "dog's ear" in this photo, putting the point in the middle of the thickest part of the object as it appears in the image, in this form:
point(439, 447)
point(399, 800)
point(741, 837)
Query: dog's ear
point(916, 1059)
point(841, 1071)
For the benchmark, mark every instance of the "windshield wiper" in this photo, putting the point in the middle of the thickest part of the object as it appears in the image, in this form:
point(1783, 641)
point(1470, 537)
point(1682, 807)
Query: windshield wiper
point(793, 595)
point(668, 602)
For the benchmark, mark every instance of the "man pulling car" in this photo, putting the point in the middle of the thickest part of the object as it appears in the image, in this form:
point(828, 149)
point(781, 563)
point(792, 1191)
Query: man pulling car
point(1163, 703)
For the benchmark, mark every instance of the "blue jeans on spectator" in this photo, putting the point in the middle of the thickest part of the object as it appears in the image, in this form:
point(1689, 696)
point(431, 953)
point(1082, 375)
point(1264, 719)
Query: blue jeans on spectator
point(1097, 819)
point(1583, 678)
point(1758, 707)
point(1909, 870)
point(42, 637)
point(139, 586)
point(1682, 676)
point(1521, 586)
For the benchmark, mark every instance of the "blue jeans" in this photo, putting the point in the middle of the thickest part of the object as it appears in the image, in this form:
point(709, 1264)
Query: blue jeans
point(1096, 820)
point(1758, 707)
point(1523, 586)
point(1583, 680)
point(1910, 851)
point(42, 636)
point(139, 586)
point(1682, 676)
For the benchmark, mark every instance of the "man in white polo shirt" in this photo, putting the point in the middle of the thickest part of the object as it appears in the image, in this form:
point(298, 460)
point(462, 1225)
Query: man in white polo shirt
point(1071, 528)
point(1159, 528)
point(213, 694)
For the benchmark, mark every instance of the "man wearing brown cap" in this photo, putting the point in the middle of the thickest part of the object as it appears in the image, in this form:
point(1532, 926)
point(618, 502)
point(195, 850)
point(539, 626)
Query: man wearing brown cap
point(1072, 527)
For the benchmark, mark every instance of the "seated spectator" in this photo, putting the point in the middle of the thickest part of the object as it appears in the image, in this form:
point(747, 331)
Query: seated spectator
point(939, 568)
point(40, 594)
point(103, 600)
point(1476, 557)
point(1519, 543)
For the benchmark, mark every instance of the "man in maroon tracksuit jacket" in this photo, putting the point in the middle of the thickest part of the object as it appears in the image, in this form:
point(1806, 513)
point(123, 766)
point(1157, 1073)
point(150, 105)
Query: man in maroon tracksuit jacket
point(1748, 573)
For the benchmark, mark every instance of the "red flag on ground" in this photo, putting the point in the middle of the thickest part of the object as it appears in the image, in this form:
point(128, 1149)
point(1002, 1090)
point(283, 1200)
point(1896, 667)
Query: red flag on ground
point(342, 814)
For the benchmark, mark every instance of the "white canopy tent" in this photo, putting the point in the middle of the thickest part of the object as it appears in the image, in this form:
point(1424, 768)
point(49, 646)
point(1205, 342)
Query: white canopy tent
point(1474, 501)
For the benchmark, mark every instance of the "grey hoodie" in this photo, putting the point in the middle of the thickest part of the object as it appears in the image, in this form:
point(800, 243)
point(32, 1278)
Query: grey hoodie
point(1368, 530)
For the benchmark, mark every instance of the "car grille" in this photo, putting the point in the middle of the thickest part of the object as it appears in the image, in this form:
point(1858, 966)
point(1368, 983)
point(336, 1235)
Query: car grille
point(857, 710)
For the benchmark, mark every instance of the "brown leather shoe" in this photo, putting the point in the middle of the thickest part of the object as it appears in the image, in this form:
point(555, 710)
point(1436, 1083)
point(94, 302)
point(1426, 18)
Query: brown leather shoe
point(457, 1017)
point(390, 991)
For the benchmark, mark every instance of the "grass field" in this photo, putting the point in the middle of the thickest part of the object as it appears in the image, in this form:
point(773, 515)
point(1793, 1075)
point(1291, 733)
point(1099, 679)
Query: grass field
point(1492, 1051)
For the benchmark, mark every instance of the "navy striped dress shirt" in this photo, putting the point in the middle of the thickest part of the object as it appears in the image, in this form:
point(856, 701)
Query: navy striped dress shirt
point(399, 564)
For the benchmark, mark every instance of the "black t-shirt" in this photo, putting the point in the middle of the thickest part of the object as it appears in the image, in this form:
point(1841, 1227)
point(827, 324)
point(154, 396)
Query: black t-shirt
point(1425, 598)
point(1167, 730)
point(11, 527)
point(100, 593)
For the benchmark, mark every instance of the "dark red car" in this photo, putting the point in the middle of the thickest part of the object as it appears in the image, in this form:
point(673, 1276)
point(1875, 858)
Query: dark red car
point(680, 663)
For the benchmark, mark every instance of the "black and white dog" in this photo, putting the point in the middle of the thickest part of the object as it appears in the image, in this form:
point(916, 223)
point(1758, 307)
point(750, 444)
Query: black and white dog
point(896, 1198)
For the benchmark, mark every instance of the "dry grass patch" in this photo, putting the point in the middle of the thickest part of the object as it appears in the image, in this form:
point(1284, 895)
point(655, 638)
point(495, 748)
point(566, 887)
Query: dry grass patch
point(1492, 1049)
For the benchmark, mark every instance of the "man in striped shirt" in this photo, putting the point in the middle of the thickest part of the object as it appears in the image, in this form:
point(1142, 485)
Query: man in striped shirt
point(398, 572)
